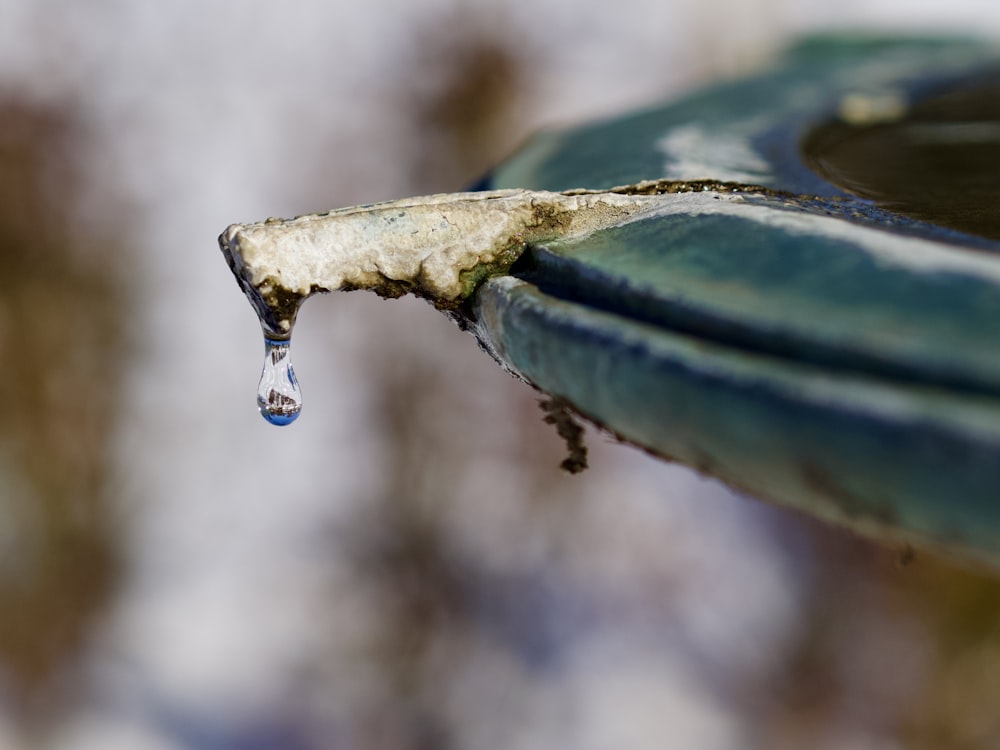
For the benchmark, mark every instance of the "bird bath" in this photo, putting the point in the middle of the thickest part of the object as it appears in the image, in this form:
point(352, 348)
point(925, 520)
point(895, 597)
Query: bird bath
point(741, 281)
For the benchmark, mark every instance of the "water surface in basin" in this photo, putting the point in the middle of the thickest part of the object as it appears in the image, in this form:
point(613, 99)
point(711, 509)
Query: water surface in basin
point(939, 161)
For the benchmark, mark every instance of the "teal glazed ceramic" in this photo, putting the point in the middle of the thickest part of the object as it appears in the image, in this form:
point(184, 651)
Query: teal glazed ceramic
point(827, 334)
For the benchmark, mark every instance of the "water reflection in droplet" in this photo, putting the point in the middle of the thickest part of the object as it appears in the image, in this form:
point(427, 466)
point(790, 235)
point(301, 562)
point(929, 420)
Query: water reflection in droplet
point(278, 396)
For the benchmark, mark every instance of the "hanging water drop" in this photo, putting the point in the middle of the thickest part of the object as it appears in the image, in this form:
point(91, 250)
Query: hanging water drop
point(278, 397)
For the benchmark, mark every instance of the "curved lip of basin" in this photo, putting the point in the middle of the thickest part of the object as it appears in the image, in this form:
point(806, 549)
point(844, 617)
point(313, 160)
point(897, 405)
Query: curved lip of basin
point(568, 277)
point(767, 135)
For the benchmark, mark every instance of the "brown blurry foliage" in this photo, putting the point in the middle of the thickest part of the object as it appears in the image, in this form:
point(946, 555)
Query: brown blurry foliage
point(462, 94)
point(465, 91)
point(61, 338)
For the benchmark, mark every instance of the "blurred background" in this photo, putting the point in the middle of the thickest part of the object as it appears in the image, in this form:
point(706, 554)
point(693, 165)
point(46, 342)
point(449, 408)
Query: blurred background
point(406, 566)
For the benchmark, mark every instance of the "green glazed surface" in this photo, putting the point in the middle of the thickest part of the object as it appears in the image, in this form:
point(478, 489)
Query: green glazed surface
point(809, 346)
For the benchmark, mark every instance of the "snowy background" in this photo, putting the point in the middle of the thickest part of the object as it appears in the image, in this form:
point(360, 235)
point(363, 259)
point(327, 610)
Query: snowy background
point(405, 567)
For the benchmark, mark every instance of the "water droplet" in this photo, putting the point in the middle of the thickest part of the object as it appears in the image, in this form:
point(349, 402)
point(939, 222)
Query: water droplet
point(278, 396)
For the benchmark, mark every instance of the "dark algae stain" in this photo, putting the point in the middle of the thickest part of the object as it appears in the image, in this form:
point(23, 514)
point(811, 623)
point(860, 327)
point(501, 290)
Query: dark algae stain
point(558, 413)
